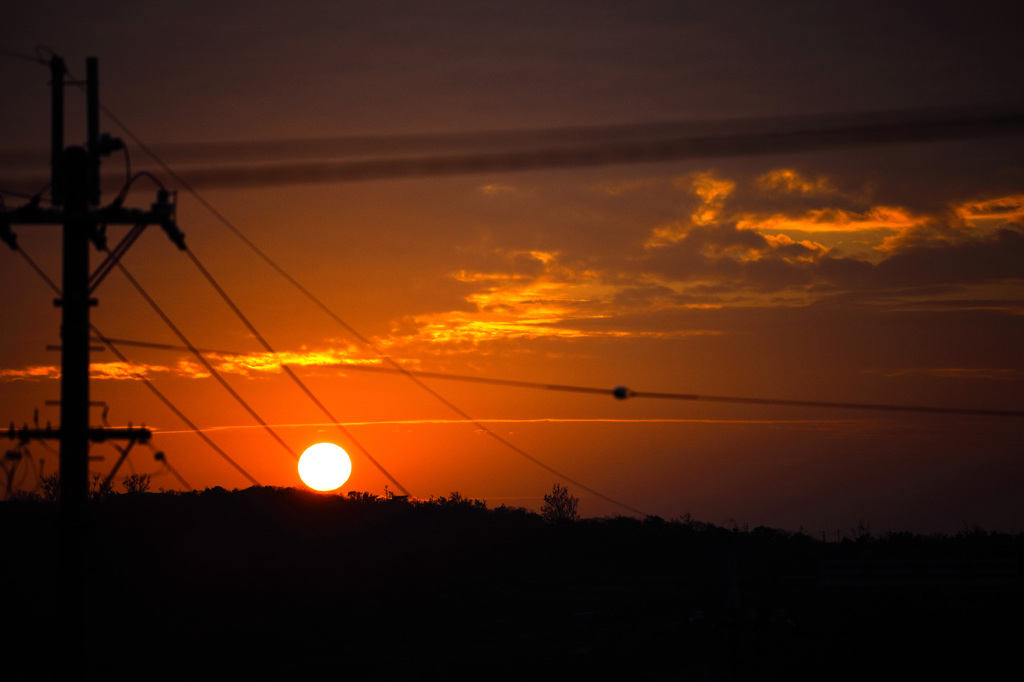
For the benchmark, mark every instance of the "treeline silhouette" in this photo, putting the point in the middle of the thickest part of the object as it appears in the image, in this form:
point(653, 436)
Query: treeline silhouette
point(280, 583)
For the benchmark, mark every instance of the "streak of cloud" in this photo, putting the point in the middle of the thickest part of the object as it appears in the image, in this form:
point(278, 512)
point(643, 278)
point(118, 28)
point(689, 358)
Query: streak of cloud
point(608, 146)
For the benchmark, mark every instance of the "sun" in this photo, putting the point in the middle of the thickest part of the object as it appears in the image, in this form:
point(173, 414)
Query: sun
point(324, 466)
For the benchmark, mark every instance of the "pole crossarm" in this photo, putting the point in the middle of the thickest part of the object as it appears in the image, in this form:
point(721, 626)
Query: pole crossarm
point(95, 434)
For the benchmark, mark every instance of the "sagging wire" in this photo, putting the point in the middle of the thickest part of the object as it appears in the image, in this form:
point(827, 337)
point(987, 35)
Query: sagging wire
point(288, 370)
point(21, 55)
point(482, 427)
point(735, 145)
point(199, 356)
point(141, 377)
point(623, 393)
point(316, 301)
point(171, 406)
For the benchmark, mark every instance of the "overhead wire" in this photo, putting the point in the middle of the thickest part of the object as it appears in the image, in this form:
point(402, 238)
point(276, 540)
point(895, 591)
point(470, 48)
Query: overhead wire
point(305, 389)
point(320, 304)
point(631, 152)
point(120, 197)
point(178, 413)
point(288, 370)
point(622, 392)
point(203, 361)
point(849, 135)
point(20, 55)
point(145, 380)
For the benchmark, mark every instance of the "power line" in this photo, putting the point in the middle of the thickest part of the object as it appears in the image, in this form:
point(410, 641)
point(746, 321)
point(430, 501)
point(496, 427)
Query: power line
point(288, 370)
point(320, 304)
point(112, 345)
point(188, 422)
point(593, 155)
point(621, 392)
point(199, 356)
point(21, 55)
point(436, 395)
point(826, 404)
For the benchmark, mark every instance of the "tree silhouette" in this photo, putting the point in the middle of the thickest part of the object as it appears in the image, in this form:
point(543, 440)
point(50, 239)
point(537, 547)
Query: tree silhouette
point(136, 483)
point(50, 484)
point(560, 505)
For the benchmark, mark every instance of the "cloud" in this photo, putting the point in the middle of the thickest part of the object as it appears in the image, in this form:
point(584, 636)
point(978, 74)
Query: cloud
point(117, 371)
point(36, 372)
point(243, 364)
point(1002, 209)
point(272, 363)
point(712, 192)
point(730, 248)
point(493, 190)
point(890, 218)
point(788, 181)
point(990, 258)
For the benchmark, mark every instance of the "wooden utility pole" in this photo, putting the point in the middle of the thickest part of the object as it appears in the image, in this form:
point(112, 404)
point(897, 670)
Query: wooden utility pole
point(74, 334)
point(75, 195)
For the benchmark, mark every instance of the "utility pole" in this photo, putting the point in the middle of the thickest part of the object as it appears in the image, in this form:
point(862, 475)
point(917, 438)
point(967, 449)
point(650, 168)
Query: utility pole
point(75, 195)
point(75, 186)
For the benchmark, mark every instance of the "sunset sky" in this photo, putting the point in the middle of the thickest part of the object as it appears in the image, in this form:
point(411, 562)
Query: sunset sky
point(872, 274)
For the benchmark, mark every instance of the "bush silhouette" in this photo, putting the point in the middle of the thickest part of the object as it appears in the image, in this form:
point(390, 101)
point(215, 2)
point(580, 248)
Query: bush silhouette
point(560, 505)
point(136, 483)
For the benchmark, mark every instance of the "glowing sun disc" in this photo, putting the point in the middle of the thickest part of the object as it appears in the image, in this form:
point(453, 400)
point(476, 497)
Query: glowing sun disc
point(324, 466)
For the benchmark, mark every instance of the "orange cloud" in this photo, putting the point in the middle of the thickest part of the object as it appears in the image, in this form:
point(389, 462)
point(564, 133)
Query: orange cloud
point(783, 246)
point(122, 370)
point(98, 370)
point(786, 181)
point(496, 190)
point(29, 373)
point(191, 370)
point(244, 364)
point(463, 332)
point(890, 218)
point(1003, 209)
point(712, 192)
point(555, 304)
point(879, 230)
point(262, 362)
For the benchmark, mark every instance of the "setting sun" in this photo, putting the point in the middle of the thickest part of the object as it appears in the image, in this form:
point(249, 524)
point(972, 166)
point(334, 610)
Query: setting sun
point(324, 466)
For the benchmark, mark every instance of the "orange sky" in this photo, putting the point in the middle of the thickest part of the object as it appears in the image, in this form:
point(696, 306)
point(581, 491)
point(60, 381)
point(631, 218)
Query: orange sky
point(875, 274)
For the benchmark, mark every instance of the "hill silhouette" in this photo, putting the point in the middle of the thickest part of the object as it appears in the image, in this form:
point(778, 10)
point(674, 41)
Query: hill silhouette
point(279, 583)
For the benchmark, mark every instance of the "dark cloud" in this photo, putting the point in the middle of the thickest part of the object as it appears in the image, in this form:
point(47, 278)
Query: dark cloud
point(975, 261)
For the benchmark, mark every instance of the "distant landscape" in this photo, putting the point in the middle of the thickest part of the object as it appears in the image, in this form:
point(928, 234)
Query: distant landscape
point(283, 583)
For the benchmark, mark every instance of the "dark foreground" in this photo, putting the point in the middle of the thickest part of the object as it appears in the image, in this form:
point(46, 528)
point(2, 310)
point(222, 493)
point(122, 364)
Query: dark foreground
point(284, 584)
